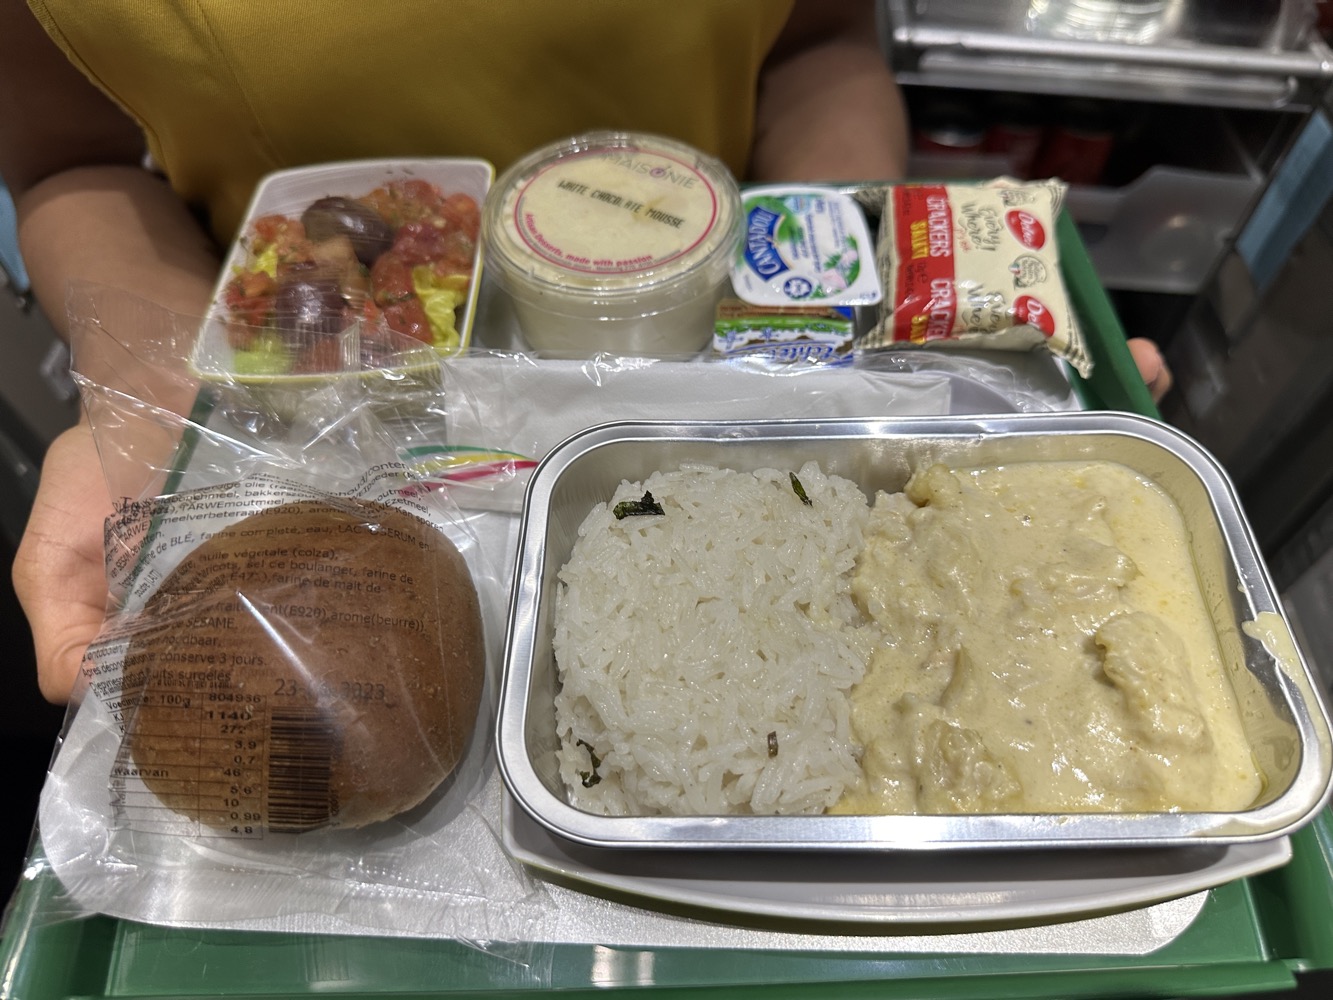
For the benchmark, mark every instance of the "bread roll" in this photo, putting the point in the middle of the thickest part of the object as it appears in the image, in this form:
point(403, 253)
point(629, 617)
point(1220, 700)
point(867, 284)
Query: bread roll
point(313, 665)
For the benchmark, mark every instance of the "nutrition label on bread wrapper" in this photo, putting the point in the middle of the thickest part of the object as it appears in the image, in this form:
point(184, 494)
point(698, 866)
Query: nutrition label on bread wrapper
point(214, 741)
point(239, 765)
point(221, 766)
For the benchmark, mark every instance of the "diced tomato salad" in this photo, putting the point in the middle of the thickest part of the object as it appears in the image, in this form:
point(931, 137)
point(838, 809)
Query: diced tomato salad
point(292, 292)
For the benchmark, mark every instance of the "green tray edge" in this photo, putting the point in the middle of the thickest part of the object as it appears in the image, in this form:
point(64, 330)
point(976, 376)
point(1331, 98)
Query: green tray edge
point(1115, 383)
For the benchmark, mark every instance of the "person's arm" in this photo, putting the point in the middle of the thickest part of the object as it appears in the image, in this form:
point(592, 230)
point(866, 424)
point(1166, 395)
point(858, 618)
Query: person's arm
point(829, 109)
point(86, 210)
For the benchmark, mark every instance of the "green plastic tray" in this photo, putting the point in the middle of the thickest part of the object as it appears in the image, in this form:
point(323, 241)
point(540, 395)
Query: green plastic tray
point(1253, 935)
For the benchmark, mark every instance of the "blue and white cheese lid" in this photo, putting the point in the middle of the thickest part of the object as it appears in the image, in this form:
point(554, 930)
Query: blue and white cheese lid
point(804, 245)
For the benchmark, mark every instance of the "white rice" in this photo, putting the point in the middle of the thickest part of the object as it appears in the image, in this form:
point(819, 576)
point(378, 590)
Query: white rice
point(684, 640)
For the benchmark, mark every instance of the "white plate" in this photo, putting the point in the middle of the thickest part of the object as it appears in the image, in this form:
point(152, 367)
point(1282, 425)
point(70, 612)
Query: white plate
point(908, 888)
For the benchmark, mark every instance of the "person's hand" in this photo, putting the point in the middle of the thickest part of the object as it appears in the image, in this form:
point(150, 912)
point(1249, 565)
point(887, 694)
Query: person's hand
point(58, 570)
point(1152, 367)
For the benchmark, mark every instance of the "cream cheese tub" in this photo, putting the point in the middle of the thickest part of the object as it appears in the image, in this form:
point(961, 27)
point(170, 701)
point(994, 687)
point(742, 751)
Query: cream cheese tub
point(614, 241)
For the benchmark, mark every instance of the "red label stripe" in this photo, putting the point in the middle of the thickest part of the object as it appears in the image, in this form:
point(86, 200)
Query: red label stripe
point(925, 302)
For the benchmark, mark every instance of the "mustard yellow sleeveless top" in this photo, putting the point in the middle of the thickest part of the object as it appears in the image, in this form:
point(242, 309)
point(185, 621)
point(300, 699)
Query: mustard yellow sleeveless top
point(228, 90)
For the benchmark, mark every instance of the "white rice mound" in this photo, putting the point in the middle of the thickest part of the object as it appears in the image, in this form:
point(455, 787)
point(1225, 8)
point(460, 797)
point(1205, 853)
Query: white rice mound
point(683, 640)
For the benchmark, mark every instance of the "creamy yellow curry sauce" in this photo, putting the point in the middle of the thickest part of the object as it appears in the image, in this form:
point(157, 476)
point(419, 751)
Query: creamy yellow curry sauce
point(1048, 650)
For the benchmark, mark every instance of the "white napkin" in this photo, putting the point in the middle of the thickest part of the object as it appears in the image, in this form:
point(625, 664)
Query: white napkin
point(568, 396)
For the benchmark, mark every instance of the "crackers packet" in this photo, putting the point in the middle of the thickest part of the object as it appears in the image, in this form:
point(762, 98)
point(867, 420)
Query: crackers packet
point(976, 266)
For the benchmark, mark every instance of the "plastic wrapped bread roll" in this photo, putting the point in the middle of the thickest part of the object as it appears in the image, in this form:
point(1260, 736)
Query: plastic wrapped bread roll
point(318, 664)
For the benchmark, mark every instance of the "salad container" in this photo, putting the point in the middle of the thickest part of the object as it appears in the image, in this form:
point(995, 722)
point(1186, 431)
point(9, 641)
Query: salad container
point(351, 270)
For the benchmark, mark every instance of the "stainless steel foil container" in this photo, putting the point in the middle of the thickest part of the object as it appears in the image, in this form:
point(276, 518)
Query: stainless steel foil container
point(1286, 720)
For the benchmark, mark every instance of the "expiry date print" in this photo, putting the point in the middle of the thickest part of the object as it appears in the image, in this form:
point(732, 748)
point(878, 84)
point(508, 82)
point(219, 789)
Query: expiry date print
point(356, 691)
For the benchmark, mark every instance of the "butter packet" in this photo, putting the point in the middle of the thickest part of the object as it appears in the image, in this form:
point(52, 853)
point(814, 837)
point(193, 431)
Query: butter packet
point(802, 245)
point(977, 266)
point(823, 333)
